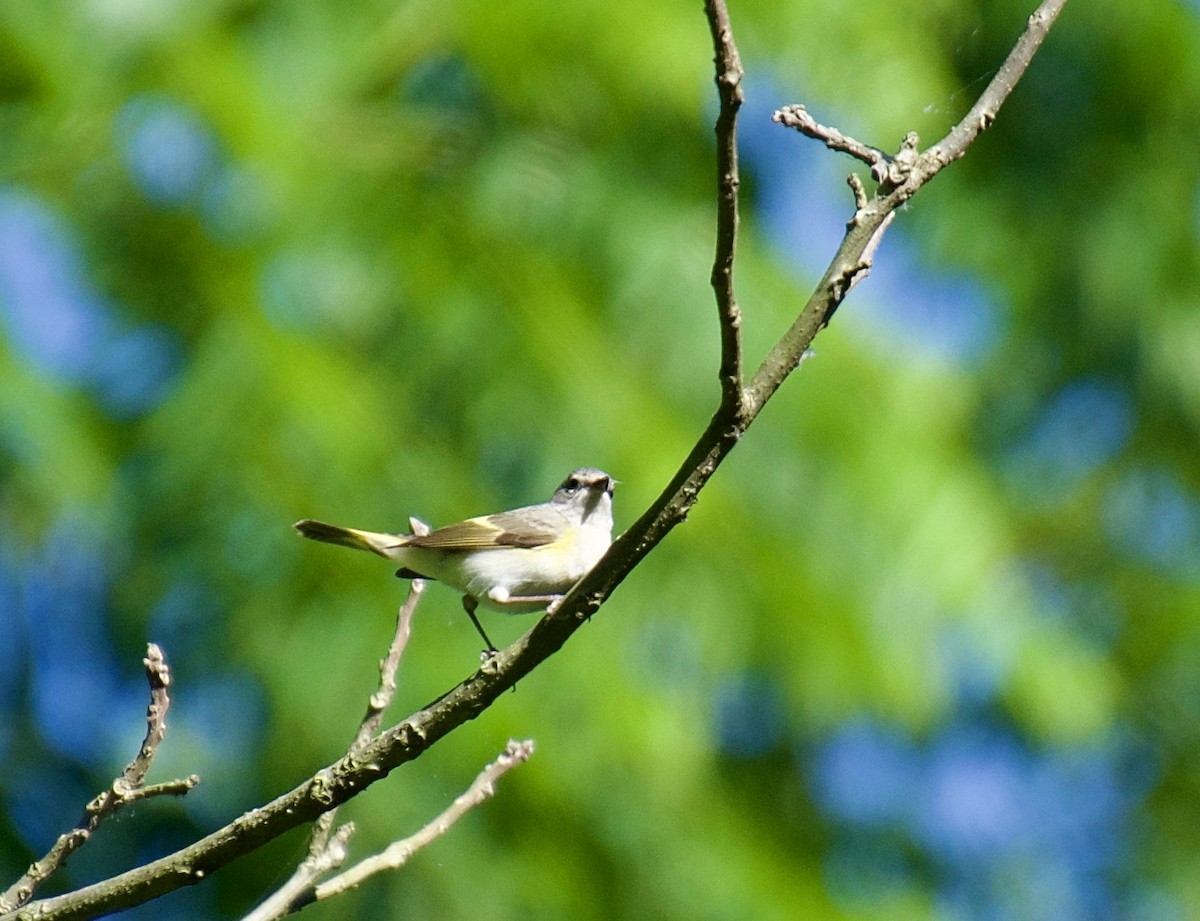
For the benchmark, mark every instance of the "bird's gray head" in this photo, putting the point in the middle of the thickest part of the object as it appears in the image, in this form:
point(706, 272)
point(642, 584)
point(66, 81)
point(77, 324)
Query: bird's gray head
point(588, 488)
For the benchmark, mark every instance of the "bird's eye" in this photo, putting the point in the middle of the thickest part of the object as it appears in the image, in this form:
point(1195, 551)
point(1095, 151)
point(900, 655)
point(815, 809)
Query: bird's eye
point(571, 484)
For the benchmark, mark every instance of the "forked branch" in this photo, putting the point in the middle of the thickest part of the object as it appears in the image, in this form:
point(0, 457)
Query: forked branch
point(128, 788)
point(740, 404)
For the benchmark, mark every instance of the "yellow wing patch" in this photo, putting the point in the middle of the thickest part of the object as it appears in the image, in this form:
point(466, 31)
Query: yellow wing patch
point(484, 533)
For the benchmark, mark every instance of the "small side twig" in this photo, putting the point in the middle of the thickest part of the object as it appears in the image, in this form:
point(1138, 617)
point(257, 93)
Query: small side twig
point(797, 117)
point(129, 787)
point(397, 854)
point(327, 847)
point(900, 177)
point(382, 698)
point(860, 197)
point(728, 66)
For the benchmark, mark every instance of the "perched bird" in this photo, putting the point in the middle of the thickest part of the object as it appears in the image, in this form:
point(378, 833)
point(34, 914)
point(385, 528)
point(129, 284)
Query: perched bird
point(516, 561)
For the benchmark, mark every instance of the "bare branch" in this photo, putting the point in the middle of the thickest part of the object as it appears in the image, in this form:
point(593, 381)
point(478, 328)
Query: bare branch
point(128, 788)
point(159, 676)
point(905, 173)
point(407, 740)
point(327, 848)
point(729, 90)
point(303, 889)
point(796, 116)
point(983, 113)
point(178, 787)
point(398, 853)
point(382, 698)
point(860, 195)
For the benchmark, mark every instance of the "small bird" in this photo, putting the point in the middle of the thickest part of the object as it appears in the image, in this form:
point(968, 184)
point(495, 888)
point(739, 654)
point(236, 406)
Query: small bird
point(516, 561)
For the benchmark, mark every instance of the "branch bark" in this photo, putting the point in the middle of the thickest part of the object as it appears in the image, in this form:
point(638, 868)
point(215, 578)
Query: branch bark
point(907, 171)
point(397, 854)
point(326, 847)
point(128, 788)
point(728, 65)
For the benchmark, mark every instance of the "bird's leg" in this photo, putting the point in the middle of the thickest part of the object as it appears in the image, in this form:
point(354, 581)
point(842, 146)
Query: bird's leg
point(470, 603)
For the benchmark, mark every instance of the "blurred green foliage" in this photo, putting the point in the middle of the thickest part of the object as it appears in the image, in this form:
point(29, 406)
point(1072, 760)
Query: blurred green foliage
point(928, 647)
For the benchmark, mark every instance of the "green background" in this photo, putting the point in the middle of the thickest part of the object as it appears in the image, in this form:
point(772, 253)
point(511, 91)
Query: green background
point(929, 645)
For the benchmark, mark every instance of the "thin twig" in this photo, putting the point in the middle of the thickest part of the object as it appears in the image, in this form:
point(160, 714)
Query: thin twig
point(728, 78)
point(906, 173)
point(326, 847)
point(159, 676)
point(407, 740)
point(983, 113)
point(382, 698)
point(797, 117)
point(398, 853)
point(125, 789)
point(860, 196)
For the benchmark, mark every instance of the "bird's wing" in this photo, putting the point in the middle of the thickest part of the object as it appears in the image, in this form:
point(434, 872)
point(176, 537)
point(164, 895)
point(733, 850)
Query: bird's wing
point(534, 526)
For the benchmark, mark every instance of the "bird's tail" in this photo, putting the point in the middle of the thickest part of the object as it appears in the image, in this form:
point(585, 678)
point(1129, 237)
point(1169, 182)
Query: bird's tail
point(384, 545)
